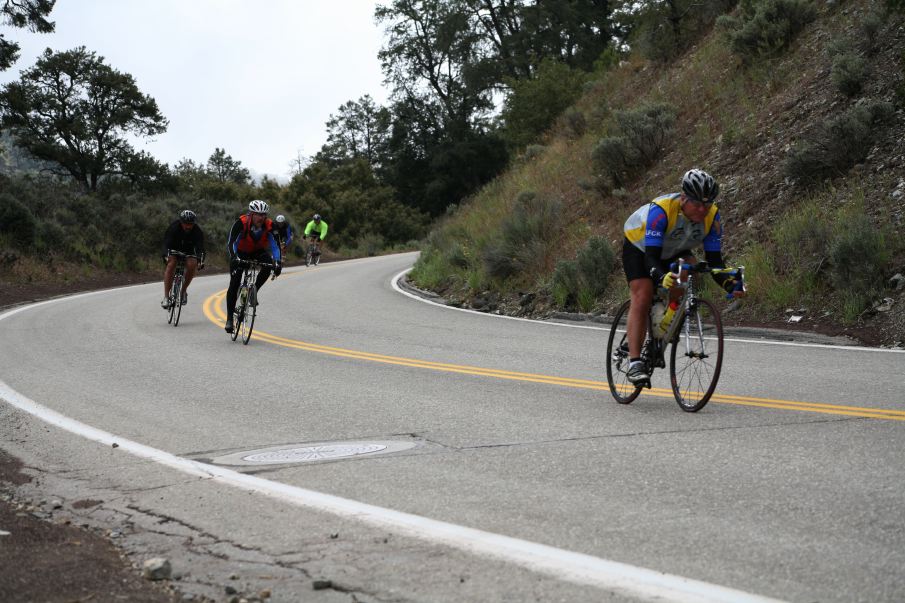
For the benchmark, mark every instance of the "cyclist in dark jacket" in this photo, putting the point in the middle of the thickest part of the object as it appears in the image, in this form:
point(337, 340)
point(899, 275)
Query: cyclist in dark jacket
point(282, 230)
point(183, 235)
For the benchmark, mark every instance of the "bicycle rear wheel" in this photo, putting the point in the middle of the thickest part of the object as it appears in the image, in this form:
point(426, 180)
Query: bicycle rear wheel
point(317, 258)
point(617, 359)
point(177, 299)
point(308, 257)
point(248, 320)
point(696, 357)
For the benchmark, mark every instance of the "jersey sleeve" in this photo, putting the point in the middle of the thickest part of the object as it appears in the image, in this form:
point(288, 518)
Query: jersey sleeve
point(655, 227)
point(714, 239)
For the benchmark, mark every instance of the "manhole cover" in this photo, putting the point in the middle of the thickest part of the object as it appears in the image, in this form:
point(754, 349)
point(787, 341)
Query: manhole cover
point(306, 453)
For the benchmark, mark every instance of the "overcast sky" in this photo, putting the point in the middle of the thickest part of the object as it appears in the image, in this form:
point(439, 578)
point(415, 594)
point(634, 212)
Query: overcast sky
point(258, 78)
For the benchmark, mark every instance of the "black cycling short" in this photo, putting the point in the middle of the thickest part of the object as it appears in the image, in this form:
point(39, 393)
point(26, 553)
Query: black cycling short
point(634, 264)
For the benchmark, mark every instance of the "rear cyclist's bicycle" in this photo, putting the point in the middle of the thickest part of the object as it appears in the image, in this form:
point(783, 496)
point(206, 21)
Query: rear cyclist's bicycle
point(694, 338)
point(175, 297)
point(313, 256)
point(247, 301)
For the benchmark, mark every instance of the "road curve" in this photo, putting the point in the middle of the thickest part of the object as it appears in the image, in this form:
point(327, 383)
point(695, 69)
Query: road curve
point(787, 486)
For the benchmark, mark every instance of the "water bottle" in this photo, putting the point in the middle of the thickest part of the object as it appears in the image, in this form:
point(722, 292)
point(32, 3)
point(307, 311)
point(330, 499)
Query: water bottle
point(657, 312)
point(667, 316)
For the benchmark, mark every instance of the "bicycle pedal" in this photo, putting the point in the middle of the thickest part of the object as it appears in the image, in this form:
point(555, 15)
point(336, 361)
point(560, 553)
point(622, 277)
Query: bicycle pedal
point(645, 384)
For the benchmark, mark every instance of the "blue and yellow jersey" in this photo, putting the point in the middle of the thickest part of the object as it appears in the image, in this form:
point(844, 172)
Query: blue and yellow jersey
point(661, 223)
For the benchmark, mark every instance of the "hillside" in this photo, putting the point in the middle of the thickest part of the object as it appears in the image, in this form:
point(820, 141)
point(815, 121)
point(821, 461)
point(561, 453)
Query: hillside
point(824, 244)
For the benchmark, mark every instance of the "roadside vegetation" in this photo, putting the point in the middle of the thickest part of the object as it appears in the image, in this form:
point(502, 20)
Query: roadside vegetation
point(795, 106)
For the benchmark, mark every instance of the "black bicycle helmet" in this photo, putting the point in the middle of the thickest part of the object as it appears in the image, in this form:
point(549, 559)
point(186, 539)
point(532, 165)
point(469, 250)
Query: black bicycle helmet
point(187, 216)
point(700, 186)
point(317, 217)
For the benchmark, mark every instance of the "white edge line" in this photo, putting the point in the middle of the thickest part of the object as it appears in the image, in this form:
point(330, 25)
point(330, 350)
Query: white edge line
point(560, 564)
point(395, 283)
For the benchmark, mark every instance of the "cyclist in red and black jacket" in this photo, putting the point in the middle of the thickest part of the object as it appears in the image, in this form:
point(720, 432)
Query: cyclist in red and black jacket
point(250, 238)
point(183, 235)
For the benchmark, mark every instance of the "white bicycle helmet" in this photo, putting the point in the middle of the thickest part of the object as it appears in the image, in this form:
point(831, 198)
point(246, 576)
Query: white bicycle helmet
point(187, 216)
point(281, 218)
point(700, 186)
point(258, 207)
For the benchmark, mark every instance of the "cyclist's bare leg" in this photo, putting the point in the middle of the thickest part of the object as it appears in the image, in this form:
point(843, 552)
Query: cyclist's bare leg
point(191, 267)
point(642, 292)
point(168, 275)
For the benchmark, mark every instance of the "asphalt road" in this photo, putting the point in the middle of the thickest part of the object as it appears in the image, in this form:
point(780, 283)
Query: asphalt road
point(510, 473)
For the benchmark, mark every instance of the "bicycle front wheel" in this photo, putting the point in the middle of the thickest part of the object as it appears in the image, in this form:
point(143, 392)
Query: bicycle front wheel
point(177, 300)
point(171, 313)
point(239, 312)
point(248, 320)
point(617, 359)
point(696, 356)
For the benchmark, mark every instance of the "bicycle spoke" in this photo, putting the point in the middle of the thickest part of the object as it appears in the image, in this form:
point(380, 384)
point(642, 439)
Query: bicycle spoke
point(696, 357)
point(617, 359)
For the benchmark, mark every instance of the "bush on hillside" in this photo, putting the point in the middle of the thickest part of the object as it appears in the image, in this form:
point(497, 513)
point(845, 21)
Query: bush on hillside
point(663, 30)
point(595, 265)
point(16, 222)
point(565, 283)
point(858, 254)
point(642, 138)
point(527, 237)
point(848, 73)
point(583, 280)
point(534, 104)
point(766, 27)
point(837, 144)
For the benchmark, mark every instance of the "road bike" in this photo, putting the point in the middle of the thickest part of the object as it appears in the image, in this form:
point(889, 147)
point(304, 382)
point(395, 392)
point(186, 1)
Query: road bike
point(175, 297)
point(247, 300)
point(694, 338)
point(313, 256)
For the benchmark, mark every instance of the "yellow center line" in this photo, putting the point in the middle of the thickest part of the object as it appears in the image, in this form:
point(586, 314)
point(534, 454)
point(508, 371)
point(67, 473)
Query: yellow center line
point(214, 311)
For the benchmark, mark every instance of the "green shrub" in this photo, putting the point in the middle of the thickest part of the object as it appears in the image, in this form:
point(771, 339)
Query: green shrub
point(525, 246)
point(17, 222)
point(804, 236)
point(837, 144)
point(857, 254)
point(575, 122)
point(643, 134)
point(848, 73)
point(595, 265)
point(766, 27)
point(895, 5)
point(565, 282)
point(663, 30)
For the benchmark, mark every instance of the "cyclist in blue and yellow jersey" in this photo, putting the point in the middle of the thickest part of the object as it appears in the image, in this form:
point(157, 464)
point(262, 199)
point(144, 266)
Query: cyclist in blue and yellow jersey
point(656, 235)
point(316, 230)
point(282, 230)
point(250, 238)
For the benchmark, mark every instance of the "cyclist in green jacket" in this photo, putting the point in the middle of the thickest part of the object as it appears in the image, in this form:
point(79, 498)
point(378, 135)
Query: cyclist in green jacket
point(316, 230)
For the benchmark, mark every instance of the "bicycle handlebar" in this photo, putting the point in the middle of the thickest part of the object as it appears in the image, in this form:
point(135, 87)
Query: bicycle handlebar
point(737, 273)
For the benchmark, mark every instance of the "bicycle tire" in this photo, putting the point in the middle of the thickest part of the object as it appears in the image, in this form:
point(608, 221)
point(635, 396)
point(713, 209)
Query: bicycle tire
point(698, 366)
point(617, 368)
point(248, 321)
point(171, 312)
point(317, 259)
point(239, 312)
point(308, 257)
point(177, 300)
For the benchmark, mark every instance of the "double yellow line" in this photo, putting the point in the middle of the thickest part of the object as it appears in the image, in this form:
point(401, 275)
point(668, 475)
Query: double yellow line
point(213, 310)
